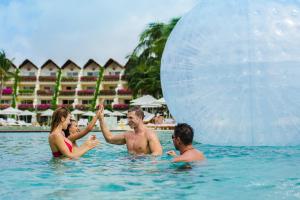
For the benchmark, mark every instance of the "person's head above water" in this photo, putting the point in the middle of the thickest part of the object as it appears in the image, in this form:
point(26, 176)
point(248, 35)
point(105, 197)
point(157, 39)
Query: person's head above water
point(72, 128)
point(135, 116)
point(183, 135)
point(60, 116)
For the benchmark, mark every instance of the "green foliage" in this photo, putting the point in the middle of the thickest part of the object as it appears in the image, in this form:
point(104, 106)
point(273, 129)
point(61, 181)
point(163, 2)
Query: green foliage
point(5, 75)
point(143, 68)
point(96, 94)
point(16, 83)
point(56, 91)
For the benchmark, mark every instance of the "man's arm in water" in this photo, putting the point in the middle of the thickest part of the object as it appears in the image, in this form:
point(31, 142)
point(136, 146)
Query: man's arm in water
point(155, 146)
point(180, 158)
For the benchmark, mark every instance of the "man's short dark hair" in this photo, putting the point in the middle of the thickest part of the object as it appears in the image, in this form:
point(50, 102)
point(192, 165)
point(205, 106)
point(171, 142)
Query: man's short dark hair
point(185, 132)
point(138, 111)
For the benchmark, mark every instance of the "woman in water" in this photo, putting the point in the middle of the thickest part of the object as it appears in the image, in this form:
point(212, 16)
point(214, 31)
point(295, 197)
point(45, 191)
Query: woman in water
point(59, 144)
point(73, 132)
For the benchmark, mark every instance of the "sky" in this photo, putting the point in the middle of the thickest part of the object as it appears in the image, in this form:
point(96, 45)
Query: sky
point(79, 30)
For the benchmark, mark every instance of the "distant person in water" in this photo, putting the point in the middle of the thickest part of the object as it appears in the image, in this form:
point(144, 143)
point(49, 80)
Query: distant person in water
point(59, 144)
point(182, 140)
point(140, 140)
point(73, 132)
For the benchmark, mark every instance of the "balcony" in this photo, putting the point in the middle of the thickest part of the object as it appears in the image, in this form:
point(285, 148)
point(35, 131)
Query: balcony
point(124, 78)
point(27, 78)
point(4, 106)
point(83, 107)
point(25, 106)
point(7, 91)
point(47, 79)
point(67, 93)
point(45, 92)
point(124, 92)
point(107, 92)
point(120, 106)
point(111, 78)
point(86, 92)
point(67, 106)
point(43, 106)
point(88, 79)
point(26, 92)
point(69, 79)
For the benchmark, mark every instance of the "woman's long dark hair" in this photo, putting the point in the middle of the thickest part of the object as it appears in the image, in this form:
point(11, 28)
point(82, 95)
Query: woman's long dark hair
point(67, 131)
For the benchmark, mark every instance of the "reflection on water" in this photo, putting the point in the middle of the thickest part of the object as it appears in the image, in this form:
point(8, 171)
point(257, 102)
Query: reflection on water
point(28, 171)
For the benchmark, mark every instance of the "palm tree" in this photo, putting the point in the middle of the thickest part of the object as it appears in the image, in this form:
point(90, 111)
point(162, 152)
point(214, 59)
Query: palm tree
point(143, 71)
point(5, 75)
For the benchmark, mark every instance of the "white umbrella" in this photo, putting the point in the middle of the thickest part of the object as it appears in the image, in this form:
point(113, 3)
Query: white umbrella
point(147, 99)
point(10, 111)
point(48, 113)
point(161, 101)
point(77, 112)
point(89, 113)
point(27, 113)
point(107, 112)
point(151, 105)
point(117, 114)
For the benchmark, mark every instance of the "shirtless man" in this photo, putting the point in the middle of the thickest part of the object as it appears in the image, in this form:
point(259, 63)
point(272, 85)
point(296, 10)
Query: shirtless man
point(139, 141)
point(182, 140)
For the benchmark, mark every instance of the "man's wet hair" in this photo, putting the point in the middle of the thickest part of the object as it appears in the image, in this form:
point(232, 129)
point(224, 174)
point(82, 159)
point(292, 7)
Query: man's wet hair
point(185, 132)
point(138, 111)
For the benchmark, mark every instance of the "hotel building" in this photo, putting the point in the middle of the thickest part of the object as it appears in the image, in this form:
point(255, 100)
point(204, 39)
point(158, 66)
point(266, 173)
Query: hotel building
point(76, 86)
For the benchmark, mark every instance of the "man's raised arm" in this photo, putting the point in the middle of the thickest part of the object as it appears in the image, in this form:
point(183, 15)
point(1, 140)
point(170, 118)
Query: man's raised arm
point(109, 137)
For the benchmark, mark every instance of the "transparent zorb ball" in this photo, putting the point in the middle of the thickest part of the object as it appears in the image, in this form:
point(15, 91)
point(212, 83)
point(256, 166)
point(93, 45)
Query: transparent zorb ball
point(231, 69)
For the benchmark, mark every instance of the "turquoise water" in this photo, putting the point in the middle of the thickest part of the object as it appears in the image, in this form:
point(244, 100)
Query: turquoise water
point(27, 171)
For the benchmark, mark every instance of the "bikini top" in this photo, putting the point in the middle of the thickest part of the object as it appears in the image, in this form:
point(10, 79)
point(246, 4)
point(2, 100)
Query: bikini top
point(58, 153)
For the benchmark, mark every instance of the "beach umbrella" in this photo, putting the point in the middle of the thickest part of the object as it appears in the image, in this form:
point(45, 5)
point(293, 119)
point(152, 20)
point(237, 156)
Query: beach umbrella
point(77, 112)
point(107, 112)
point(47, 113)
point(161, 101)
point(117, 114)
point(89, 113)
point(10, 111)
point(144, 100)
point(26, 113)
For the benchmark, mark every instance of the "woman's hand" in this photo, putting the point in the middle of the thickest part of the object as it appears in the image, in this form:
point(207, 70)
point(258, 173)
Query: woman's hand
point(92, 142)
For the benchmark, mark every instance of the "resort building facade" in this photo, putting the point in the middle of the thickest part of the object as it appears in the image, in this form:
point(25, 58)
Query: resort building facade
point(77, 87)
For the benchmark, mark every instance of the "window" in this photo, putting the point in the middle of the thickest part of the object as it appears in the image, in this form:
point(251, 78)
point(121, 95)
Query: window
point(87, 101)
point(31, 73)
point(92, 73)
point(45, 101)
point(52, 73)
point(28, 88)
point(5, 101)
point(72, 74)
point(68, 101)
point(108, 101)
point(117, 73)
point(27, 102)
point(90, 88)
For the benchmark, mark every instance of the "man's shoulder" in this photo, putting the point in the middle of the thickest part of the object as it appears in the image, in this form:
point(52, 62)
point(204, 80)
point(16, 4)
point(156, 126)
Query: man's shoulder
point(151, 133)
